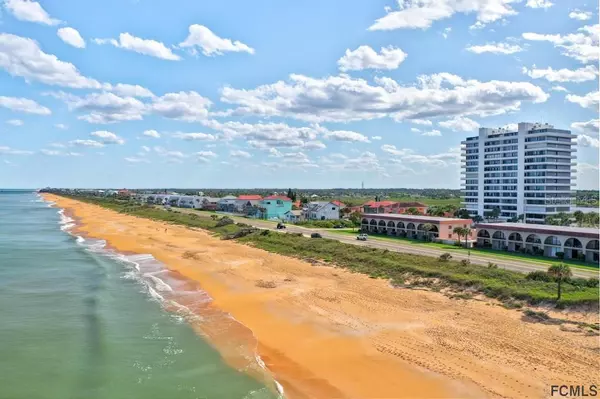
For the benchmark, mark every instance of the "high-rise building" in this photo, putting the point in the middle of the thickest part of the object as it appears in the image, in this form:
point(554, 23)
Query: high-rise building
point(529, 171)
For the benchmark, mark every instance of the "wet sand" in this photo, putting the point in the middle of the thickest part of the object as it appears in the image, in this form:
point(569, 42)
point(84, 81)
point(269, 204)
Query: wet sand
point(327, 333)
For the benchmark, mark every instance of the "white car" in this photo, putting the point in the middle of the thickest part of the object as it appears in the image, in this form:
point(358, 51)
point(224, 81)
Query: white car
point(362, 237)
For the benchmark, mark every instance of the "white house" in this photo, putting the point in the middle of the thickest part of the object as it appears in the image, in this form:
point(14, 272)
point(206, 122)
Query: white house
point(292, 216)
point(228, 203)
point(186, 201)
point(321, 210)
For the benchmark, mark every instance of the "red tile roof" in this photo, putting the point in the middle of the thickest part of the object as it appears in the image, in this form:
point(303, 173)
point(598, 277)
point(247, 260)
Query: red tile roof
point(279, 197)
point(339, 203)
point(380, 203)
point(249, 197)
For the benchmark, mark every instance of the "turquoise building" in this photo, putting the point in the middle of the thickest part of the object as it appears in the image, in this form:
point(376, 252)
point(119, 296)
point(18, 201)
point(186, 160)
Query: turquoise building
point(273, 207)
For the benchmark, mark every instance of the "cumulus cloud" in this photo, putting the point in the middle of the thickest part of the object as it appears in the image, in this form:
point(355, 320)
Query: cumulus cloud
point(589, 127)
point(15, 122)
point(23, 105)
point(107, 137)
point(186, 106)
point(590, 100)
point(128, 90)
point(460, 124)
point(347, 136)
point(149, 47)
point(61, 126)
point(239, 154)
point(195, 136)
point(559, 88)
point(71, 37)
point(136, 160)
point(424, 122)
point(376, 137)
point(446, 32)
point(584, 74)
point(30, 11)
point(344, 98)
point(86, 143)
point(365, 57)
point(539, 4)
point(151, 133)
point(56, 153)
point(423, 13)
point(22, 57)
point(582, 46)
point(580, 15)
point(104, 108)
point(4, 150)
point(432, 133)
point(201, 37)
point(408, 156)
point(587, 141)
point(496, 48)
point(205, 156)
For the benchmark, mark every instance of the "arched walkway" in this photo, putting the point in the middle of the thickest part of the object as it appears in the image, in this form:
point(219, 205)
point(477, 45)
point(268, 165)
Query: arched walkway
point(484, 239)
point(391, 228)
point(592, 249)
point(552, 245)
point(573, 249)
point(499, 240)
point(533, 244)
point(515, 242)
point(411, 230)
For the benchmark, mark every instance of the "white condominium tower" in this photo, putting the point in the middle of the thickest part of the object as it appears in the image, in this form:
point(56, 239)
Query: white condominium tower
point(529, 171)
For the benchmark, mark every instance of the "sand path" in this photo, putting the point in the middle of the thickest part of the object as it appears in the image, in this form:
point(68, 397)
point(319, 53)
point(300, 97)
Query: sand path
point(325, 332)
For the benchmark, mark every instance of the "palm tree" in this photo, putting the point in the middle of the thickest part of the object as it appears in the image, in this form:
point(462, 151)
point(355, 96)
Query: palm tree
point(466, 233)
point(458, 231)
point(560, 272)
point(412, 211)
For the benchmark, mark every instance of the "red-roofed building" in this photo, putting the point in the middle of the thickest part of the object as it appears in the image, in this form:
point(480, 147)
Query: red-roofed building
point(339, 203)
point(243, 202)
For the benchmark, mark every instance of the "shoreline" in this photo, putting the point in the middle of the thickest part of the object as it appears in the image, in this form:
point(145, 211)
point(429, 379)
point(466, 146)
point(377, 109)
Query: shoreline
point(325, 332)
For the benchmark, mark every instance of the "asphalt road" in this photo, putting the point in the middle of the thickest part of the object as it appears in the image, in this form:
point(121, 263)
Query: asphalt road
point(509, 264)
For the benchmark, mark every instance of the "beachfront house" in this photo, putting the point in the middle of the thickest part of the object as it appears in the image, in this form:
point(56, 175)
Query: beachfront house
point(271, 207)
point(293, 216)
point(321, 210)
point(186, 201)
point(227, 203)
point(210, 203)
point(244, 202)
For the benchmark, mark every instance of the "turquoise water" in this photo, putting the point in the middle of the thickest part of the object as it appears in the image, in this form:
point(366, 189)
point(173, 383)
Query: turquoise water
point(75, 323)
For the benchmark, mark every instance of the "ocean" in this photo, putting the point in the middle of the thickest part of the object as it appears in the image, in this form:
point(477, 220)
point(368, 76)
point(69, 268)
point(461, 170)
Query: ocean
point(80, 322)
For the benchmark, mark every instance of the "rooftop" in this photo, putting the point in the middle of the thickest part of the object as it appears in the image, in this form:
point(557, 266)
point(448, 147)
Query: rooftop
point(415, 218)
point(249, 197)
point(541, 228)
point(279, 197)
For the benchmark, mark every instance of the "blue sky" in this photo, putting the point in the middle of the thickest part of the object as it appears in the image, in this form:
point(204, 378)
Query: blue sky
point(183, 93)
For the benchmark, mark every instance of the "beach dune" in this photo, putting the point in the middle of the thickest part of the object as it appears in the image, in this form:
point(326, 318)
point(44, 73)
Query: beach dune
point(323, 332)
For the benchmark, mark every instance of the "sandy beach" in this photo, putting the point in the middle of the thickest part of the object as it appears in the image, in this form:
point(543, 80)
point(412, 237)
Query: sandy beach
point(326, 333)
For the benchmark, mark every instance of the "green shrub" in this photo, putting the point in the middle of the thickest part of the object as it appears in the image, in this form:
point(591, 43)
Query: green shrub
point(539, 275)
point(445, 257)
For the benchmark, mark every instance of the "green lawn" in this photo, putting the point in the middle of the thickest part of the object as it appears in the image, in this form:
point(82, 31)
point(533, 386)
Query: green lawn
point(475, 251)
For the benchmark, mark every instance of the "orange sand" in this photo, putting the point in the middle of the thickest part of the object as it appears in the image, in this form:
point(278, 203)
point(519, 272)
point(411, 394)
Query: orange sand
point(324, 332)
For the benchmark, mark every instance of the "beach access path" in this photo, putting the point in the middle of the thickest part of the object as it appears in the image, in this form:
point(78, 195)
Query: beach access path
point(399, 246)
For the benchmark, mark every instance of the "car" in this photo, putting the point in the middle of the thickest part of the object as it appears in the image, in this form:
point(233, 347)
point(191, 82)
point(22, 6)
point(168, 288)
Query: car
point(362, 237)
point(280, 226)
point(338, 226)
point(316, 235)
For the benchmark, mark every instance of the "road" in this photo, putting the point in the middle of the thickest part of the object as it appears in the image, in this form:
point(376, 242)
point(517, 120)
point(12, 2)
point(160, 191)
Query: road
point(509, 264)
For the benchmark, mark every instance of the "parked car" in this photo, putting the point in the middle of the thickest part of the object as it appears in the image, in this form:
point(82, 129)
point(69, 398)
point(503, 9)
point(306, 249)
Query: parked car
point(280, 226)
point(362, 237)
point(338, 226)
point(316, 235)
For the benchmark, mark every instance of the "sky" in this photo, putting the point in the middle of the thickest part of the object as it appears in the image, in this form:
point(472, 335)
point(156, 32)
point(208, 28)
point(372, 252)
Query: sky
point(310, 94)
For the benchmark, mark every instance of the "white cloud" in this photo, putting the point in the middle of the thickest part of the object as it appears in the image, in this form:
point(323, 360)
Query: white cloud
point(107, 137)
point(56, 153)
point(128, 90)
point(151, 133)
point(15, 122)
point(496, 48)
point(136, 160)
point(587, 141)
point(343, 98)
point(211, 44)
point(205, 156)
point(539, 4)
point(186, 106)
point(30, 11)
point(365, 57)
point(149, 47)
point(589, 127)
point(171, 156)
point(582, 46)
point(86, 143)
point(432, 133)
point(239, 154)
point(23, 105)
point(57, 145)
point(376, 137)
point(403, 156)
point(104, 108)
point(71, 36)
point(348, 136)
point(422, 13)
point(424, 122)
point(559, 88)
point(4, 150)
point(446, 32)
point(460, 124)
point(195, 136)
point(21, 56)
point(61, 126)
point(415, 130)
point(580, 15)
point(584, 74)
point(590, 100)
point(146, 148)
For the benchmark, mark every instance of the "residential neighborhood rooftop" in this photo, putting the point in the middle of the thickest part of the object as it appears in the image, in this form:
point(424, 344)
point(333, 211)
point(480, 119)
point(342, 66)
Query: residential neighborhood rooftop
point(416, 218)
point(249, 197)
